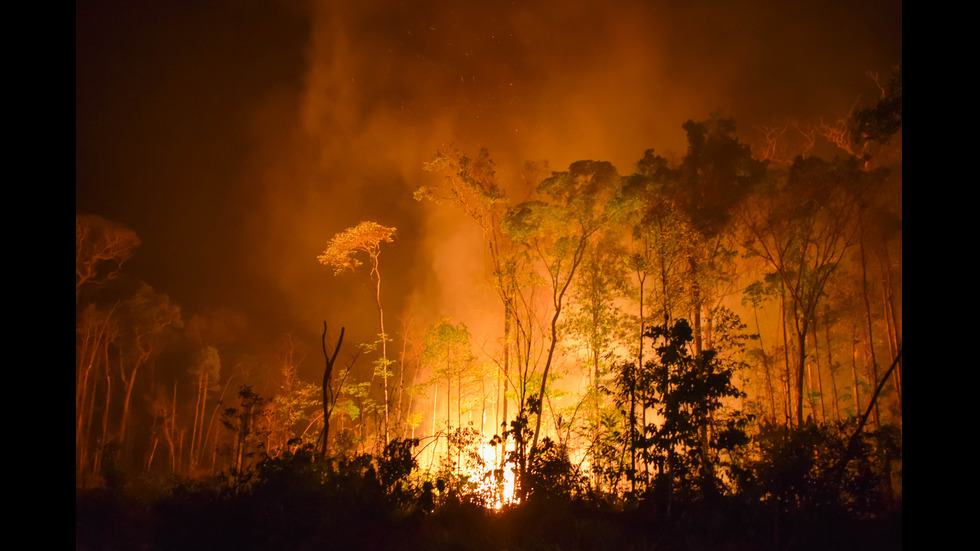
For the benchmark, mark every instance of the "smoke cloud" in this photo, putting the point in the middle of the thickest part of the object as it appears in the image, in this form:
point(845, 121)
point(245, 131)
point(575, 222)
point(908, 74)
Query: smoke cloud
point(237, 141)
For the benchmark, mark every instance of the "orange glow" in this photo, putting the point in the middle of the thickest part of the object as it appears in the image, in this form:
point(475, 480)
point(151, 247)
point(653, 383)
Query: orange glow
point(491, 458)
point(372, 94)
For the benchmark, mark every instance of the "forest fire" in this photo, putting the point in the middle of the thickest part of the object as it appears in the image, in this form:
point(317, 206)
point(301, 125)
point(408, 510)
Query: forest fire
point(484, 276)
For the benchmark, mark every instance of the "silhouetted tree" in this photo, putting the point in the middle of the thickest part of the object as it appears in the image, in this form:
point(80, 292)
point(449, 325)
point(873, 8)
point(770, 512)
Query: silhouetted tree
point(687, 391)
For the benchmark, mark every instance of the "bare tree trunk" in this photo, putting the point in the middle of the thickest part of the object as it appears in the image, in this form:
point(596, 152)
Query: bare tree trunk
point(400, 418)
point(104, 440)
point(170, 432)
point(384, 343)
point(130, 383)
point(854, 373)
point(787, 410)
point(326, 388)
point(893, 338)
point(838, 469)
point(558, 296)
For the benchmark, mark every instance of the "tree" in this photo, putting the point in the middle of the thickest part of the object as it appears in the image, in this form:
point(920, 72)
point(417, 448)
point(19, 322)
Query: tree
point(342, 254)
point(801, 227)
point(687, 390)
point(96, 329)
point(207, 372)
point(556, 232)
point(448, 355)
point(329, 396)
point(295, 404)
point(755, 294)
point(470, 186)
point(717, 173)
point(658, 245)
point(147, 316)
point(884, 120)
point(596, 321)
point(207, 332)
point(101, 248)
point(241, 421)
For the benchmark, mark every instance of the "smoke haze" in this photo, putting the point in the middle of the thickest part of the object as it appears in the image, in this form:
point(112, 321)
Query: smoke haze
point(236, 140)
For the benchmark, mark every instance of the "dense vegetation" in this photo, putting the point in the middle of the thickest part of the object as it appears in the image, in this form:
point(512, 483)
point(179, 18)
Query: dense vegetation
point(701, 354)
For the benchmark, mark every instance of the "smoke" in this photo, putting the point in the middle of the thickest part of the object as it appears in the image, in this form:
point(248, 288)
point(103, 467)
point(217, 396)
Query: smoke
point(237, 140)
point(387, 84)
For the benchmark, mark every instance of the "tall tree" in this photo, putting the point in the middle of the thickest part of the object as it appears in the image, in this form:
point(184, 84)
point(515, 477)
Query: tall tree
point(470, 186)
point(658, 248)
point(450, 358)
point(716, 174)
point(687, 391)
point(801, 226)
point(207, 373)
point(148, 315)
point(596, 321)
point(96, 330)
point(328, 395)
point(556, 231)
point(342, 254)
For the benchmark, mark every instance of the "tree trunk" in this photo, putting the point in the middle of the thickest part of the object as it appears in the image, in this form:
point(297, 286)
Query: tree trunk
point(833, 375)
point(384, 341)
point(130, 383)
point(639, 364)
point(816, 361)
point(867, 309)
point(787, 410)
point(854, 373)
point(327, 374)
point(800, 371)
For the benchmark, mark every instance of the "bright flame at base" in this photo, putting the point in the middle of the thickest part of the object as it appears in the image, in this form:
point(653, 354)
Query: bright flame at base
point(491, 459)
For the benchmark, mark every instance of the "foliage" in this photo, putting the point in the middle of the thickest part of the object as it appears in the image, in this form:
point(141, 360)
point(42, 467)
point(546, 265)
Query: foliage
point(884, 120)
point(717, 173)
point(242, 422)
point(463, 468)
point(294, 405)
point(796, 468)
point(687, 393)
point(551, 475)
point(367, 237)
point(101, 248)
point(468, 184)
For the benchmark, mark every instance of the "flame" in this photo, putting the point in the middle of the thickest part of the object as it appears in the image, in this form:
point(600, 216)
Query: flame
point(491, 458)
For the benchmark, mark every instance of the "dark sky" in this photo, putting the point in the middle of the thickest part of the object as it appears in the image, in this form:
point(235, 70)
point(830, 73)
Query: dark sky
point(237, 137)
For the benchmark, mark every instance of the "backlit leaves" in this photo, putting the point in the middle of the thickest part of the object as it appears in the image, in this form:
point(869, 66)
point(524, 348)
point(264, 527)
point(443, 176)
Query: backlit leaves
point(367, 237)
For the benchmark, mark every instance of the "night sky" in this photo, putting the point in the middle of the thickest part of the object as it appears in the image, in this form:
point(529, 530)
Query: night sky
point(236, 138)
